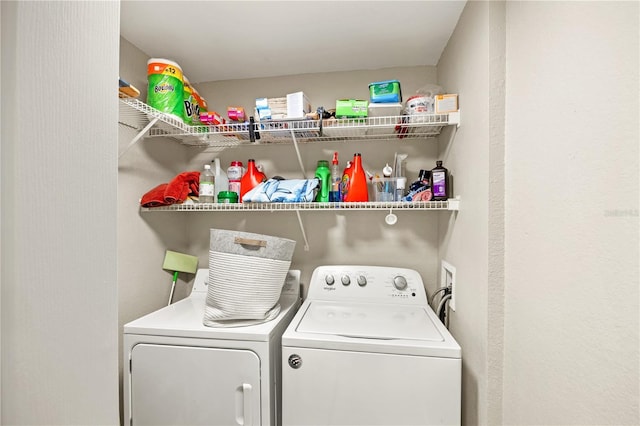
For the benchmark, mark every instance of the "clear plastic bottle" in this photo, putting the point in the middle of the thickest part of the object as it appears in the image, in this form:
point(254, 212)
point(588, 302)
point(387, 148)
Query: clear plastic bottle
point(221, 181)
point(206, 189)
point(336, 178)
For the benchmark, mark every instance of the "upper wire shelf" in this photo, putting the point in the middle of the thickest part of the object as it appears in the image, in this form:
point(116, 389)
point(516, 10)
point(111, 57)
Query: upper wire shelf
point(138, 115)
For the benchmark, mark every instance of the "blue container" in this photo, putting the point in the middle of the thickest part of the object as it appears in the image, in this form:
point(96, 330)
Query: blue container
point(385, 91)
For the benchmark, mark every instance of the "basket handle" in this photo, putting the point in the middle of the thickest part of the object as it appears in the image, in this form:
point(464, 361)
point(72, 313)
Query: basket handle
point(249, 242)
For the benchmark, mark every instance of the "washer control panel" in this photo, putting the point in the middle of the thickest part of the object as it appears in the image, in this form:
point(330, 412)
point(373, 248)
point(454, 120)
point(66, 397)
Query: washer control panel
point(367, 284)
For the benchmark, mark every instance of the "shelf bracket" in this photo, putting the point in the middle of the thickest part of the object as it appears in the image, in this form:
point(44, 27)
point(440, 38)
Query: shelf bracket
point(139, 135)
point(454, 118)
point(295, 144)
point(304, 234)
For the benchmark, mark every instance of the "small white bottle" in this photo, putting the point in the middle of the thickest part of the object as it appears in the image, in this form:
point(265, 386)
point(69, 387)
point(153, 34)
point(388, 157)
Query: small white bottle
point(234, 173)
point(221, 180)
point(206, 189)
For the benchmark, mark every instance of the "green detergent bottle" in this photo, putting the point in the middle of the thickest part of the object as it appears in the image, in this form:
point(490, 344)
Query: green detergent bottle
point(324, 175)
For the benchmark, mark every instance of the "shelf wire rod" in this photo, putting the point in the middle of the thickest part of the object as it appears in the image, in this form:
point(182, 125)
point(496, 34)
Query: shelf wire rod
point(304, 234)
point(139, 135)
point(295, 144)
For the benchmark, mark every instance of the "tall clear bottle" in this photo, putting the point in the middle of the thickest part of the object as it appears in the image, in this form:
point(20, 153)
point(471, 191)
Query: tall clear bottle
point(221, 180)
point(206, 193)
point(336, 178)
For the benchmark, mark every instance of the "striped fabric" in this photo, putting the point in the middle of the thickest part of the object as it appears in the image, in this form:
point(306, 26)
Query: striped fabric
point(243, 290)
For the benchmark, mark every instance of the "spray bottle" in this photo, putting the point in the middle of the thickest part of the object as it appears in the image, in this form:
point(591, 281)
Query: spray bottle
point(336, 178)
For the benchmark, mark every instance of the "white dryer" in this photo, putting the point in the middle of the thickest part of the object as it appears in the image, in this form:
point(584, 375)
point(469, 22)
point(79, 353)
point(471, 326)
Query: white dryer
point(365, 348)
point(181, 372)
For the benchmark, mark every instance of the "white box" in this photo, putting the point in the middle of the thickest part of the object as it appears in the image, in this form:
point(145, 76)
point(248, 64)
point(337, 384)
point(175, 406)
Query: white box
point(385, 109)
point(297, 105)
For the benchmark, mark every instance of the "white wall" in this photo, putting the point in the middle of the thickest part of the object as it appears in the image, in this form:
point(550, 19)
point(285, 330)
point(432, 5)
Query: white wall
point(571, 309)
point(464, 69)
point(59, 283)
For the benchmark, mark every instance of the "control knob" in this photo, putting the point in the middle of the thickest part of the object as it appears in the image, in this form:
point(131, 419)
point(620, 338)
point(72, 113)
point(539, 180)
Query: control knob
point(329, 279)
point(345, 280)
point(400, 282)
point(362, 280)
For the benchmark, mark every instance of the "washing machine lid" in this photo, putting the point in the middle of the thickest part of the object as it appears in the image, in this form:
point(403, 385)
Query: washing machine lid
point(369, 321)
point(370, 327)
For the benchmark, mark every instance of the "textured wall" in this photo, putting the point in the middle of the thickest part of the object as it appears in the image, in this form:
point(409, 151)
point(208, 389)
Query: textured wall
point(464, 69)
point(571, 309)
point(59, 177)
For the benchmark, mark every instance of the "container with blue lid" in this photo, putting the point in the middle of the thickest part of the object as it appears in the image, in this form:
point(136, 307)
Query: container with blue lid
point(385, 91)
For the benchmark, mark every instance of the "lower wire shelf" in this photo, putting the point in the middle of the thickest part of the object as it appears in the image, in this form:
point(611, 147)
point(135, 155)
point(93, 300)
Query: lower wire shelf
point(451, 204)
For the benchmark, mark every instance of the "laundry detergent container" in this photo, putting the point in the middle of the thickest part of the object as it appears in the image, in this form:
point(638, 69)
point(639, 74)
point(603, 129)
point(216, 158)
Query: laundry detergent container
point(246, 275)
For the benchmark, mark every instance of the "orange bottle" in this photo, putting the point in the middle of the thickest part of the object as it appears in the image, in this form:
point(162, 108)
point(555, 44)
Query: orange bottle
point(252, 178)
point(344, 183)
point(356, 181)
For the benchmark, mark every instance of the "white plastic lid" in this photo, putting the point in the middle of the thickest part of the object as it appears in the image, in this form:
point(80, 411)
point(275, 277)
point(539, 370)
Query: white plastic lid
point(401, 183)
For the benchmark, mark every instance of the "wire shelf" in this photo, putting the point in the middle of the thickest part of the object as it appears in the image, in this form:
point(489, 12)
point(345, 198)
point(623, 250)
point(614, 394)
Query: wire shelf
point(137, 115)
point(452, 205)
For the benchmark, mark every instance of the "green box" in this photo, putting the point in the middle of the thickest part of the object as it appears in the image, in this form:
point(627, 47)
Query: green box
point(351, 108)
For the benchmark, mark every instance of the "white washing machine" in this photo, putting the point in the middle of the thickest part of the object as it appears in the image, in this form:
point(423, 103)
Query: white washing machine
point(365, 348)
point(181, 372)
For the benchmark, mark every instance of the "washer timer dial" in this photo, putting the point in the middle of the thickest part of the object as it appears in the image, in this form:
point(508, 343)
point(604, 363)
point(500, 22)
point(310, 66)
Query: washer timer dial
point(400, 282)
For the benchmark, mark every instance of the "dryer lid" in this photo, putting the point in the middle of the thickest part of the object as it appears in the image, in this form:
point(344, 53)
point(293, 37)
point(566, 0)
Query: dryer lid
point(369, 321)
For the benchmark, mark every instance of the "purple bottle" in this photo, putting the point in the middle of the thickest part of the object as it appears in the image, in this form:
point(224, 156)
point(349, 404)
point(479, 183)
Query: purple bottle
point(440, 182)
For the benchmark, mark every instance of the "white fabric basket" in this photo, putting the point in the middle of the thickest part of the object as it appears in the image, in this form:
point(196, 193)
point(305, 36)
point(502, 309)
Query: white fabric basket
point(246, 274)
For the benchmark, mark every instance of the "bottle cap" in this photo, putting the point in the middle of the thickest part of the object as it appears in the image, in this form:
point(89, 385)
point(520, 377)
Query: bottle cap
point(227, 197)
point(424, 174)
point(438, 163)
point(236, 163)
point(335, 158)
point(387, 170)
point(323, 163)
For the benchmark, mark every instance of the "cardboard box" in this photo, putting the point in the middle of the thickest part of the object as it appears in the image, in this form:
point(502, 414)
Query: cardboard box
point(351, 108)
point(298, 105)
point(446, 103)
point(236, 113)
point(271, 108)
point(278, 107)
point(385, 91)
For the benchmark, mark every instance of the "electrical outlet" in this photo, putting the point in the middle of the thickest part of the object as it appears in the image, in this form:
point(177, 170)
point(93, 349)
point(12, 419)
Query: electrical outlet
point(448, 278)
